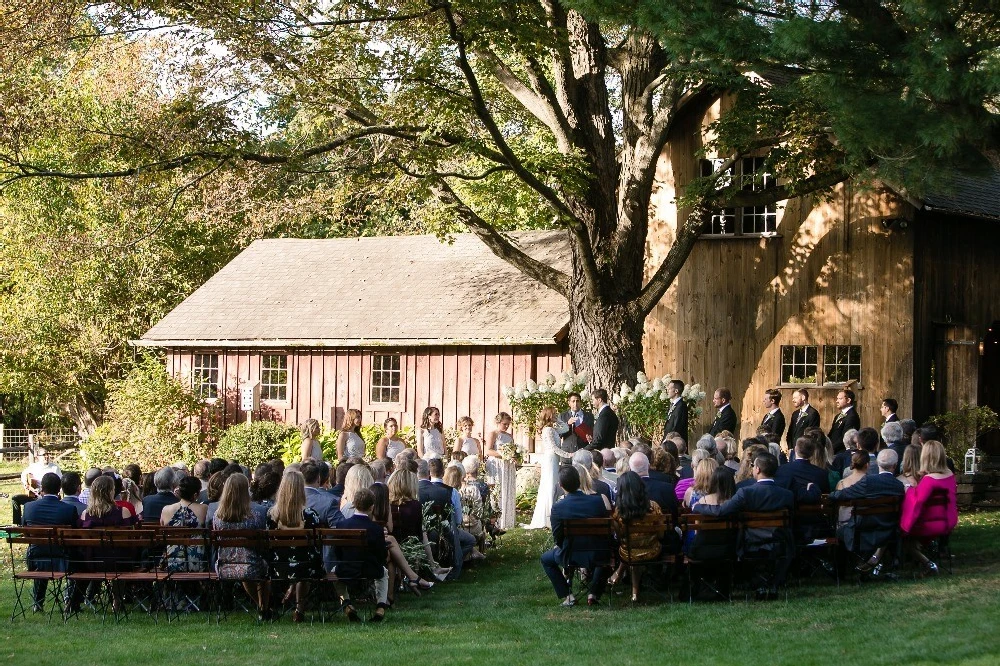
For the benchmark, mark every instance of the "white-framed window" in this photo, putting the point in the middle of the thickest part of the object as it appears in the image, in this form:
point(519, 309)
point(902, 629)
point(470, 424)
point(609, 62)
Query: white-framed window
point(274, 377)
point(801, 365)
point(205, 376)
point(386, 378)
point(748, 220)
point(841, 364)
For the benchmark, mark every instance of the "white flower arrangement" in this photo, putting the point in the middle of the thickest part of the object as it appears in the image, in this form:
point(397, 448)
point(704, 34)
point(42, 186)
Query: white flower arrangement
point(528, 398)
point(644, 408)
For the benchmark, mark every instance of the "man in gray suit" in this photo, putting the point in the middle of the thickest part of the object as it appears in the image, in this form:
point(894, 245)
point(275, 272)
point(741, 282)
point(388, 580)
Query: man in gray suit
point(573, 417)
point(323, 503)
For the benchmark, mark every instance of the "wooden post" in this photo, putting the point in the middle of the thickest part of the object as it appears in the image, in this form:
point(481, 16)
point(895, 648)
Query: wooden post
point(2, 446)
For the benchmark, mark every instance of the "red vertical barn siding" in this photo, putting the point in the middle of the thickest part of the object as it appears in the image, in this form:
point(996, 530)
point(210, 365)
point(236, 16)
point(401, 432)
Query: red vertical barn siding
point(411, 414)
point(463, 380)
point(491, 392)
point(449, 399)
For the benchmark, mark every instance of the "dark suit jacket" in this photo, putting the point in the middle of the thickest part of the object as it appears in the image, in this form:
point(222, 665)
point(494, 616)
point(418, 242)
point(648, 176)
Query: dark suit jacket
point(48, 510)
point(368, 562)
point(761, 496)
point(798, 474)
point(152, 506)
point(601, 488)
point(725, 421)
point(892, 419)
point(774, 424)
point(800, 424)
point(582, 551)
point(76, 504)
point(842, 461)
point(875, 530)
point(662, 492)
point(677, 419)
point(569, 439)
point(327, 507)
point(899, 448)
point(605, 430)
point(842, 423)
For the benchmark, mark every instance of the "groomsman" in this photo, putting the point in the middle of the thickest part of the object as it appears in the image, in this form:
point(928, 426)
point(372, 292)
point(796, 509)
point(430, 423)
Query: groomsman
point(677, 414)
point(846, 420)
point(573, 417)
point(774, 420)
point(888, 409)
point(605, 424)
point(804, 417)
point(725, 418)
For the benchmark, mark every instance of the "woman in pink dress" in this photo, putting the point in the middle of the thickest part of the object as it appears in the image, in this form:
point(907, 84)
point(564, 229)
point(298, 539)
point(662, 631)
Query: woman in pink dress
point(930, 510)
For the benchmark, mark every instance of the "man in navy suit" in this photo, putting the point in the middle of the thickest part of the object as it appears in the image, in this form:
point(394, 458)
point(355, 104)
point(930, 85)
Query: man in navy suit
point(804, 417)
point(585, 552)
point(661, 492)
point(725, 419)
point(47, 510)
point(322, 503)
point(800, 473)
point(847, 419)
point(677, 413)
point(877, 529)
point(605, 424)
point(774, 420)
point(888, 410)
point(367, 562)
point(71, 486)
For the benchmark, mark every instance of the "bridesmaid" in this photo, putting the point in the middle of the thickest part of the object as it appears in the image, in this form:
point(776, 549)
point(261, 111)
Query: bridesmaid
point(388, 446)
point(465, 442)
point(502, 472)
point(430, 442)
point(311, 447)
point(349, 441)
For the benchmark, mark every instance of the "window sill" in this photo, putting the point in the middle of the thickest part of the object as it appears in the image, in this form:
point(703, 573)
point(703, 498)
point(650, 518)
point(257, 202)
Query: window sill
point(739, 236)
point(817, 387)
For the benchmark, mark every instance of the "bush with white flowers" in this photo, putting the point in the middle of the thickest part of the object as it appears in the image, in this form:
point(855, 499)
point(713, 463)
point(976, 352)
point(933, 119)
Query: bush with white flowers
point(528, 398)
point(644, 407)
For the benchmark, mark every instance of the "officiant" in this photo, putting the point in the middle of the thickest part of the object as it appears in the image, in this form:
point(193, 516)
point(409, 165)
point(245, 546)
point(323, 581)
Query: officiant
point(581, 424)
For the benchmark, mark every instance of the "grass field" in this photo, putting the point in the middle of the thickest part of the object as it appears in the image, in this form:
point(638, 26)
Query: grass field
point(505, 612)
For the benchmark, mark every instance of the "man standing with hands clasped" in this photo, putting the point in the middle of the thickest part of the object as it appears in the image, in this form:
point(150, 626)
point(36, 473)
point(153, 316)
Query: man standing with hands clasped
point(677, 414)
point(846, 419)
point(575, 417)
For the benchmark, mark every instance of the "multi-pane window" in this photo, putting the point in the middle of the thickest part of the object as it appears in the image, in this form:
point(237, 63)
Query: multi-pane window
point(841, 363)
point(799, 364)
point(385, 378)
point(205, 375)
point(274, 377)
point(753, 177)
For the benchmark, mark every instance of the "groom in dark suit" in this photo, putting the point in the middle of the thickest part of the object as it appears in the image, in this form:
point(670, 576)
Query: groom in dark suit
point(573, 417)
point(725, 419)
point(774, 420)
point(605, 425)
point(677, 414)
point(846, 419)
point(584, 552)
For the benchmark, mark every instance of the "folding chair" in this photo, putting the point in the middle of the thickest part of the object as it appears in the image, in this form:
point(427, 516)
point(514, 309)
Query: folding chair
point(766, 549)
point(226, 597)
point(361, 590)
point(876, 525)
point(939, 549)
point(137, 584)
point(279, 540)
point(712, 553)
point(89, 571)
point(187, 584)
point(44, 540)
point(654, 527)
point(820, 553)
point(593, 536)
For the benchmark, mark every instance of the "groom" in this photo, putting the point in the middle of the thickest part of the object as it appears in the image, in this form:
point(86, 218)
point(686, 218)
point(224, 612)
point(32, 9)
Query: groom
point(605, 425)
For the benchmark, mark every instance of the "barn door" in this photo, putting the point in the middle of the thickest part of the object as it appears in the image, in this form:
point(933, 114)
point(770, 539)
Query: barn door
point(956, 367)
point(989, 386)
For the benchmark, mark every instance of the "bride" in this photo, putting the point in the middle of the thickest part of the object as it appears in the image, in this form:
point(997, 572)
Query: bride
point(549, 482)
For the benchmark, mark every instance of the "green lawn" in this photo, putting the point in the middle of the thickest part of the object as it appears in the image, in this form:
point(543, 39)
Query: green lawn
point(505, 611)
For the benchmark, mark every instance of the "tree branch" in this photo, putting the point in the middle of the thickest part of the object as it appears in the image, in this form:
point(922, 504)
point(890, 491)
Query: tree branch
point(502, 247)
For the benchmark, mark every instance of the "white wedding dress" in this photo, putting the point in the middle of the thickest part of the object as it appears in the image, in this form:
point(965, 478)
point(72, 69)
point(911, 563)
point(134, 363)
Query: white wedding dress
point(549, 481)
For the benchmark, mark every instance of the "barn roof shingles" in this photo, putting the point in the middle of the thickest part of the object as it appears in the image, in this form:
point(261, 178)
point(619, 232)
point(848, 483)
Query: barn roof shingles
point(382, 290)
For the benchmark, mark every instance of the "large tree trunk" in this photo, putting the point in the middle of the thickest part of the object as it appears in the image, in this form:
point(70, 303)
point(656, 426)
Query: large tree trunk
point(84, 414)
point(604, 339)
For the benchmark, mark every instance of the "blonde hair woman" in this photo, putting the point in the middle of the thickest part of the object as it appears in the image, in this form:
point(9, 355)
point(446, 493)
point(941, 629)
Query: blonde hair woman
point(465, 442)
point(358, 477)
point(311, 447)
point(237, 563)
point(350, 444)
point(702, 484)
point(587, 483)
point(923, 520)
point(296, 564)
point(102, 511)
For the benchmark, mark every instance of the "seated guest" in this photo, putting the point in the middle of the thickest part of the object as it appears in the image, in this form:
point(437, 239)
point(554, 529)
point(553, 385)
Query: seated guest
point(744, 476)
point(721, 488)
point(587, 550)
point(316, 499)
point(930, 510)
point(822, 456)
point(152, 506)
point(660, 492)
point(726, 447)
point(47, 510)
point(378, 469)
point(381, 513)
point(586, 488)
point(71, 485)
point(663, 464)
point(634, 509)
point(185, 513)
point(702, 485)
point(264, 487)
point(340, 478)
point(101, 511)
point(892, 433)
point(407, 515)
point(358, 477)
point(910, 468)
point(94, 472)
point(842, 461)
point(238, 563)
point(876, 531)
point(800, 472)
point(296, 564)
point(367, 562)
point(857, 470)
point(608, 473)
point(201, 472)
point(585, 458)
point(433, 490)
point(470, 507)
point(680, 490)
point(868, 442)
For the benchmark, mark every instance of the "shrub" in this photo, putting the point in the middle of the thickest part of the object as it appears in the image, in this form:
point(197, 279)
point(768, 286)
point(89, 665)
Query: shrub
point(146, 421)
point(253, 443)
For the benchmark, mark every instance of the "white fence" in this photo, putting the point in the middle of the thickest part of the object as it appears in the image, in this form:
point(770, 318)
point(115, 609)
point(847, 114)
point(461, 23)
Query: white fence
point(17, 443)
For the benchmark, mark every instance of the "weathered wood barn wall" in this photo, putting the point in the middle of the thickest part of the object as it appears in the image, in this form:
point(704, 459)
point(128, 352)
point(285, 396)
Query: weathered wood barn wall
point(324, 383)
